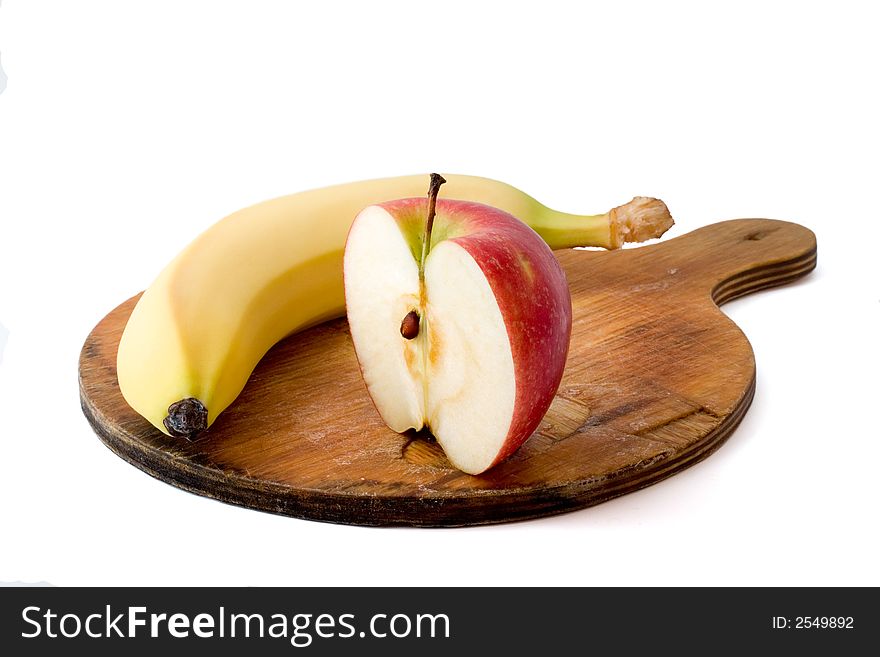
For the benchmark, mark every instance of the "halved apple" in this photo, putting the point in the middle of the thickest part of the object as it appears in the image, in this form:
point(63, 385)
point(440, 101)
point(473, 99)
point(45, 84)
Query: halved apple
point(461, 320)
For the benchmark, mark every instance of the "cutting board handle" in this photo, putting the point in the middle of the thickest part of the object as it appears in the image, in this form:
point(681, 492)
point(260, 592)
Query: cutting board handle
point(733, 258)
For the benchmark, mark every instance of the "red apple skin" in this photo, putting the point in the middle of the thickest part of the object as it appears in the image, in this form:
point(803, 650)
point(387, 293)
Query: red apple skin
point(529, 287)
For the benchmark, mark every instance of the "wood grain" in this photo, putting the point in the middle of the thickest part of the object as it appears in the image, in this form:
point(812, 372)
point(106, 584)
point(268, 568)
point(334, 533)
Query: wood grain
point(657, 378)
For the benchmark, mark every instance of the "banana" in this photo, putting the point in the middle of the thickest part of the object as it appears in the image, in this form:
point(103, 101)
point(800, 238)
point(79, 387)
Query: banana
point(274, 268)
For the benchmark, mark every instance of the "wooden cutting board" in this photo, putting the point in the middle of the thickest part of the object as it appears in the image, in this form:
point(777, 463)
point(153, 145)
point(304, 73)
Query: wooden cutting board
point(657, 378)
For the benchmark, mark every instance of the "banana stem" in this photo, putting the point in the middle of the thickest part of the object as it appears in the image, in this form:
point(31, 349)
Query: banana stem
point(564, 231)
point(639, 220)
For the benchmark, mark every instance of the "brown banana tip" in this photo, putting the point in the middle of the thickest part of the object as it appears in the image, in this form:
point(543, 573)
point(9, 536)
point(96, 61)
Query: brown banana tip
point(641, 219)
point(187, 418)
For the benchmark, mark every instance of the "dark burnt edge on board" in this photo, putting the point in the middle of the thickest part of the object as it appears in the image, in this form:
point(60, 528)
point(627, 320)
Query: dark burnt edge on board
point(471, 509)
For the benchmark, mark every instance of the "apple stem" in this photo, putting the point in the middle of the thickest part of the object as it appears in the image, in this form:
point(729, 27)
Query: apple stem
point(409, 327)
point(433, 190)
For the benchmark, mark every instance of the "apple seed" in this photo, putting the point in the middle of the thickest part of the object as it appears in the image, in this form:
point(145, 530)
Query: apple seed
point(409, 327)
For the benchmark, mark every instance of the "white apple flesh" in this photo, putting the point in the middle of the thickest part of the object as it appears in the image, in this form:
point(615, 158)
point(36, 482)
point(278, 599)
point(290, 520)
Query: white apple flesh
point(494, 323)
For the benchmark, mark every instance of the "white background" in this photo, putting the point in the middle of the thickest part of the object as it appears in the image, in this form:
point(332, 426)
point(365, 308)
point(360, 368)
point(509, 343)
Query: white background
point(127, 128)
